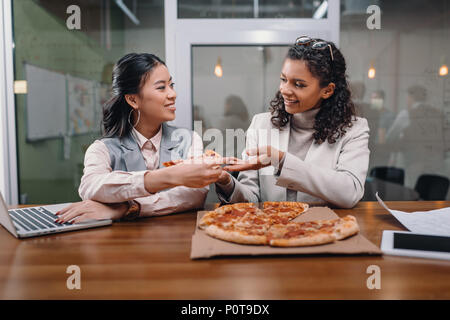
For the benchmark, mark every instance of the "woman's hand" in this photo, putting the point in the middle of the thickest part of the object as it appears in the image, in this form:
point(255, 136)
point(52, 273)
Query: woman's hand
point(192, 175)
point(89, 209)
point(197, 175)
point(259, 158)
point(224, 178)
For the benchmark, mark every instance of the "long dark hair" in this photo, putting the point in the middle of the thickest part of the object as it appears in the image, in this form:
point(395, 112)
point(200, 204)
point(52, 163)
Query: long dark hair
point(129, 74)
point(336, 112)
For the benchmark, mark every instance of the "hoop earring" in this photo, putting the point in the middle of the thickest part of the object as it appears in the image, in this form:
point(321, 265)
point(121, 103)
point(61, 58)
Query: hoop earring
point(129, 117)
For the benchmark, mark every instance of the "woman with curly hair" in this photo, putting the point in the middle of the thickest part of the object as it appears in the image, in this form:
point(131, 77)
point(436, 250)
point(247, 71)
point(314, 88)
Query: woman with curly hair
point(310, 147)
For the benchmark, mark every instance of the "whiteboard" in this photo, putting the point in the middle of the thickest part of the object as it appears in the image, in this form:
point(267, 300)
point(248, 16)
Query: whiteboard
point(46, 107)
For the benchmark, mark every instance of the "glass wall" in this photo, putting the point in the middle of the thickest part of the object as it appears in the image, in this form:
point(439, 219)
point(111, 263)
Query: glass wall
point(68, 72)
point(406, 94)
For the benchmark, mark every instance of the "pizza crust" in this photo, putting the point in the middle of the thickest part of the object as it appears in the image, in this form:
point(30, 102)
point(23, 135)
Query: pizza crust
point(309, 240)
point(235, 236)
point(291, 204)
point(346, 227)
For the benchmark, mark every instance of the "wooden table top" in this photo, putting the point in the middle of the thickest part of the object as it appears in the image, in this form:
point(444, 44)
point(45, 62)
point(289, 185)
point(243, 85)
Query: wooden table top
point(149, 259)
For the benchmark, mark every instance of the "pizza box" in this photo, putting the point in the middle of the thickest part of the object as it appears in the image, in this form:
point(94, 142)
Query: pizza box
point(204, 246)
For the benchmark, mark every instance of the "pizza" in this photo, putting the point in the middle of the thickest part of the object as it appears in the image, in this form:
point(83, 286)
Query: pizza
point(245, 223)
point(241, 223)
point(207, 155)
point(312, 233)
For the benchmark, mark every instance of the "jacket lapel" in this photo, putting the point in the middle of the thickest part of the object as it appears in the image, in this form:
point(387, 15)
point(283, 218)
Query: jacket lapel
point(167, 145)
point(132, 155)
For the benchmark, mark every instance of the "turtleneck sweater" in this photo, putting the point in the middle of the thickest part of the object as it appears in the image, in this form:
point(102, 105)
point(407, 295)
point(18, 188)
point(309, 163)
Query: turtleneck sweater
point(300, 139)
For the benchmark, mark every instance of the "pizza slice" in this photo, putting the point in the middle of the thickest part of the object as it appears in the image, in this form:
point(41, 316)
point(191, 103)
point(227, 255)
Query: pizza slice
point(346, 227)
point(207, 155)
point(226, 215)
point(239, 234)
point(295, 234)
point(251, 228)
point(242, 223)
point(172, 162)
point(284, 211)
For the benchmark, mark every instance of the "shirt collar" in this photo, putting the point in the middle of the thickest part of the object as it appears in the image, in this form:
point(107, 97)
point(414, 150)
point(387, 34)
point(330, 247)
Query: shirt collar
point(141, 140)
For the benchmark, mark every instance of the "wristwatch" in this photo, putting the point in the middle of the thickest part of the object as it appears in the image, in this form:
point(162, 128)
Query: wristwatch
point(133, 211)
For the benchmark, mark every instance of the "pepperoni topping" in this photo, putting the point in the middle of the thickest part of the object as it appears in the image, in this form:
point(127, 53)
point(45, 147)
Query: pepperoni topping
point(280, 220)
point(258, 221)
point(237, 213)
point(224, 218)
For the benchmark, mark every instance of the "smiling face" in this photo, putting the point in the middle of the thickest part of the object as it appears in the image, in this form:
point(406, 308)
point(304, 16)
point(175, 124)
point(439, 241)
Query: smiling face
point(300, 89)
point(155, 100)
point(157, 96)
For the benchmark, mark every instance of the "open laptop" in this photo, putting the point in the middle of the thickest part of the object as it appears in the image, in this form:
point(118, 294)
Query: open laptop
point(38, 221)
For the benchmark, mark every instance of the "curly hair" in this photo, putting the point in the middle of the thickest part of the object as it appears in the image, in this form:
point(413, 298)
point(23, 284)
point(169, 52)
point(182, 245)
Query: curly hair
point(336, 112)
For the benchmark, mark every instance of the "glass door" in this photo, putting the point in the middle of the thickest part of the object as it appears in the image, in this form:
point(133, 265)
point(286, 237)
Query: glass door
point(193, 28)
point(226, 56)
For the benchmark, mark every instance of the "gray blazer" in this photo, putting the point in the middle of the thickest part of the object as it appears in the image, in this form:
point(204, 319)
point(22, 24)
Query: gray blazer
point(330, 174)
point(126, 155)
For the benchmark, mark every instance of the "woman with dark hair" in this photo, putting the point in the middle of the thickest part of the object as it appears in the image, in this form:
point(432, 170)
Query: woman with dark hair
point(316, 146)
point(123, 171)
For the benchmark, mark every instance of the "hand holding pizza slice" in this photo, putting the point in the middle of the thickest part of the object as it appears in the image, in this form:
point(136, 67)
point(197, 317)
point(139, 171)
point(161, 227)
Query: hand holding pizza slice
point(209, 156)
point(258, 158)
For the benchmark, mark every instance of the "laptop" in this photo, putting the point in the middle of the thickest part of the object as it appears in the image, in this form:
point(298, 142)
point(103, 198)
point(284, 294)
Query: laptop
point(38, 221)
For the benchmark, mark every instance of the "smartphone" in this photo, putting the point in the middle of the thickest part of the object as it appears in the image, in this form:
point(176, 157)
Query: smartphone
point(405, 243)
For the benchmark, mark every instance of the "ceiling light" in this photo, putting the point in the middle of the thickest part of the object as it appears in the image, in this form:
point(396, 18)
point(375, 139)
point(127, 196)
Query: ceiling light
point(443, 70)
point(218, 68)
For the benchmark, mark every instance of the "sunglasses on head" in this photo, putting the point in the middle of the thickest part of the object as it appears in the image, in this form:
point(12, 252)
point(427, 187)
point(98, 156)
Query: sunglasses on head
point(319, 45)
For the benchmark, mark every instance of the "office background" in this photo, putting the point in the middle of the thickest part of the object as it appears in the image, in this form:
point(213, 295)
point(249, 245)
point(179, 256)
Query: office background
point(394, 72)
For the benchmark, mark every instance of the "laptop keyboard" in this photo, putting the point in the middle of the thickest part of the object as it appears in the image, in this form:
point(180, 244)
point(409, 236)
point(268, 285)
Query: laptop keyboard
point(31, 219)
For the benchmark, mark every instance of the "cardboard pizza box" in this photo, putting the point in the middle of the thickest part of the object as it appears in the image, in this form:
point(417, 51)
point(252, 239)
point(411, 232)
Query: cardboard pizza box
point(204, 246)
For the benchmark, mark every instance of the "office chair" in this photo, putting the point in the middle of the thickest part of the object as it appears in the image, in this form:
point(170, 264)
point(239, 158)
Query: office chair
point(432, 187)
point(391, 174)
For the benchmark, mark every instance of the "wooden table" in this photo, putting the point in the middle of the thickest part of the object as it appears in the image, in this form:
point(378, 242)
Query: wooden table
point(149, 259)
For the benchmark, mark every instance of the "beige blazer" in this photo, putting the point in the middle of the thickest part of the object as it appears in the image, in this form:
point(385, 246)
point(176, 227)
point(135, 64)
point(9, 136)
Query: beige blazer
point(330, 174)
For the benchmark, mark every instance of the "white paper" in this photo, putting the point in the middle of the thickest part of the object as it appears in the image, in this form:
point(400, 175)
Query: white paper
point(436, 222)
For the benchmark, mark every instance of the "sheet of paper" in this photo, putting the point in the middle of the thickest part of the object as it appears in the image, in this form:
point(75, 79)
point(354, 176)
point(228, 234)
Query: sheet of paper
point(435, 222)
